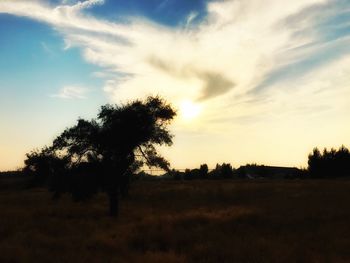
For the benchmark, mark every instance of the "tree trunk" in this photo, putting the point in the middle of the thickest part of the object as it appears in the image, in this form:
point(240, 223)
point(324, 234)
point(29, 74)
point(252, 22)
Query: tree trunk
point(113, 196)
point(124, 186)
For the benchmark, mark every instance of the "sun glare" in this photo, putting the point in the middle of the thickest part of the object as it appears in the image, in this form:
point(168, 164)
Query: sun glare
point(189, 110)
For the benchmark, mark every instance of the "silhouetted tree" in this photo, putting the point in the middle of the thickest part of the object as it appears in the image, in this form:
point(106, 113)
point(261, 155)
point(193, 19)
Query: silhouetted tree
point(103, 152)
point(188, 174)
point(177, 175)
point(203, 171)
point(42, 165)
point(224, 170)
point(329, 163)
point(342, 161)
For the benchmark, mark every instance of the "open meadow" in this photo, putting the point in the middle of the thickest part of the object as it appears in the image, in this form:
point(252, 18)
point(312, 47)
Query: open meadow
point(174, 221)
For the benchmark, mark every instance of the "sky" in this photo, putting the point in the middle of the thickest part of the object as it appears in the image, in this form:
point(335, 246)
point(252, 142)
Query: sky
point(253, 81)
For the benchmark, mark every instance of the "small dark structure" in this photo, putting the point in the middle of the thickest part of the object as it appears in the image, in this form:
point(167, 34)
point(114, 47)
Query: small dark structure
point(271, 172)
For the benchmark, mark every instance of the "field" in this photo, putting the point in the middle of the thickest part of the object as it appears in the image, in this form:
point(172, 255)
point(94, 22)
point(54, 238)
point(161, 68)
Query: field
point(191, 221)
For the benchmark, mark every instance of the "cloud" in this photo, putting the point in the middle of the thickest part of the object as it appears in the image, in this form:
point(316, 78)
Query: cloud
point(71, 92)
point(48, 50)
point(215, 85)
point(191, 17)
point(241, 51)
point(163, 4)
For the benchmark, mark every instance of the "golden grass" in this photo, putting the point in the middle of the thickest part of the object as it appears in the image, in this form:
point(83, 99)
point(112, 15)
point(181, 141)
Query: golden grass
point(193, 221)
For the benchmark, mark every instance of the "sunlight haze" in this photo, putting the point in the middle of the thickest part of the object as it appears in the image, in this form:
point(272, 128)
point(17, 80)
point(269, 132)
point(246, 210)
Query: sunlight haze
point(189, 110)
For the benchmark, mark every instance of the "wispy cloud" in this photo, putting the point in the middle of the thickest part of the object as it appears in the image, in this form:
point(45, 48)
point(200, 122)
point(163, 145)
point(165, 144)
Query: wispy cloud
point(279, 54)
point(71, 92)
point(163, 4)
point(47, 49)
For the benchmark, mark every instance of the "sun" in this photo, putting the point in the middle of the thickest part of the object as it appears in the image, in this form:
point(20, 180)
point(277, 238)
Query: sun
point(189, 110)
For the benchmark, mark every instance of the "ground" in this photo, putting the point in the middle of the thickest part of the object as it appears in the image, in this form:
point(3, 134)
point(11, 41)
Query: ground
point(191, 221)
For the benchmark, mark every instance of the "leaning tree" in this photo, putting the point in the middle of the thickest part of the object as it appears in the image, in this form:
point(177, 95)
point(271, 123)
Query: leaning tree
point(103, 151)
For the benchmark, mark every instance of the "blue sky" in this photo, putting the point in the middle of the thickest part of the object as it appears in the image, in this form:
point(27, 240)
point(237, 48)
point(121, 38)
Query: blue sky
point(277, 70)
point(167, 12)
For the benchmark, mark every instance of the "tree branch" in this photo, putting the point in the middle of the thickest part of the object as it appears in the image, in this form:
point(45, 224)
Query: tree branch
point(145, 156)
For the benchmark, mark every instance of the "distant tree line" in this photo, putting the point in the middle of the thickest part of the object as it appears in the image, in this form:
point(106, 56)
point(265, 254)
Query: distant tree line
point(329, 163)
point(221, 171)
point(74, 164)
point(326, 164)
point(12, 173)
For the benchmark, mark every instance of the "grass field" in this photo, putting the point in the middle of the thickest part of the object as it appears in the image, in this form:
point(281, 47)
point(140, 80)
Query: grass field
point(192, 221)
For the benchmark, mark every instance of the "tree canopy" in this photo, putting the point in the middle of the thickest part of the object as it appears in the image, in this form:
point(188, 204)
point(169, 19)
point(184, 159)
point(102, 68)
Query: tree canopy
point(329, 163)
point(99, 154)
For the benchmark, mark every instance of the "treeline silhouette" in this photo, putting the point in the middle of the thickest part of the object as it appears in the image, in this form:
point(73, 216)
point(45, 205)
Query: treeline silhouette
point(227, 171)
point(321, 164)
point(329, 163)
point(16, 173)
point(326, 164)
point(223, 171)
point(41, 164)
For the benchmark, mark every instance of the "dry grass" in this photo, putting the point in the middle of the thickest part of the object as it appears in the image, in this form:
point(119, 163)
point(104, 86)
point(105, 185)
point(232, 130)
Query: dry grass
point(197, 221)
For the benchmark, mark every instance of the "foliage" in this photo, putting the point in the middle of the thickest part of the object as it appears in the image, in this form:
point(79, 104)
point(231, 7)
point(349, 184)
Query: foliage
point(329, 163)
point(175, 174)
point(43, 165)
point(203, 171)
point(100, 154)
point(223, 171)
